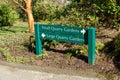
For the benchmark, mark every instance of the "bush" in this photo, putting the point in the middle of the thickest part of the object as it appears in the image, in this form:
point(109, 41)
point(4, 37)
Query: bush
point(113, 48)
point(7, 15)
point(93, 13)
point(43, 10)
point(79, 18)
point(80, 13)
point(97, 13)
point(116, 44)
point(109, 12)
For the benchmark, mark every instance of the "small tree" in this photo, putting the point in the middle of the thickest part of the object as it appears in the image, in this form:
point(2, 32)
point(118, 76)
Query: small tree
point(28, 11)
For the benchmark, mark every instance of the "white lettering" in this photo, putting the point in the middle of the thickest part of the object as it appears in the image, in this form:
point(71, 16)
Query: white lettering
point(75, 39)
point(45, 28)
point(51, 36)
point(61, 37)
point(71, 30)
point(56, 29)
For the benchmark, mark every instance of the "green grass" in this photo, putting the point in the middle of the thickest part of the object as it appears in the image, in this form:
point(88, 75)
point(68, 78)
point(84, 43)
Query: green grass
point(14, 35)
point(14, 38)
point(17, 28)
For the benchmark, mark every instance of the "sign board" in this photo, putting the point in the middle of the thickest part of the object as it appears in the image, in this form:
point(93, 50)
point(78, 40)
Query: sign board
point(63, 33)
point(66, 34)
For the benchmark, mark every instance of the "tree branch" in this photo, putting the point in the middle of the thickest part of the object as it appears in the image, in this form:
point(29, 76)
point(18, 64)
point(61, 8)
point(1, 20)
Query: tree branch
point(25, 1)
point(19, 5)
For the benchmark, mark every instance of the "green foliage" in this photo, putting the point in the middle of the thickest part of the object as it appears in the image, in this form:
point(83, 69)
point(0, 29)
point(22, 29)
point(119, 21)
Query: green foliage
point(44, 55)
point(44, 9)
point(77, 50)
point(108, 11)
point(113, 47)
point(10, 58)
point(68, 55)
point(79, 18)
point(99, 46)
point(83, 49)
point(7, 55)
point(97, 13)
point(92, 13)
point(76, 13)
point(19, 28)
point(7, 15)
point(14, 38)
point(116, 44)
point(12, 41)
point(32, 43)
point(48, 43)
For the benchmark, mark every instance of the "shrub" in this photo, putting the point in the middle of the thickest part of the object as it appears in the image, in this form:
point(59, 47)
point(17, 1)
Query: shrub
point(97, 13)
point(78, 13)
point(113, 48)
point(108, 11)
point(93, 13)
point(116, 44)
point(43, 10)
point(7, 15)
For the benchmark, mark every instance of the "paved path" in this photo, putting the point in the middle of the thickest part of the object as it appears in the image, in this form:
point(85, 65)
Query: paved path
point(12, 73)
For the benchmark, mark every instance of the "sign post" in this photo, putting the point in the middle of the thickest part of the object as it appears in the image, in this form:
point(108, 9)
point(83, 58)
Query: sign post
point(91, 45)
point(38, 40)
point(66, 34)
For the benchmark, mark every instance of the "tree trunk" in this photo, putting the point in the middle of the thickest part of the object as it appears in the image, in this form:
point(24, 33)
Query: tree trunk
point(28, 11)
point(30, 16)
point(30, 21)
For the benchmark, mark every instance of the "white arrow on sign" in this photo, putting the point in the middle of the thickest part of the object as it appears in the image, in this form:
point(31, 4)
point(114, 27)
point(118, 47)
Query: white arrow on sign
point(83, 31)
point(43, 35)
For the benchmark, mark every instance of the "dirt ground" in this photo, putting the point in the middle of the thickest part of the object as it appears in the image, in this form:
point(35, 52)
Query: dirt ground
point(56, 57)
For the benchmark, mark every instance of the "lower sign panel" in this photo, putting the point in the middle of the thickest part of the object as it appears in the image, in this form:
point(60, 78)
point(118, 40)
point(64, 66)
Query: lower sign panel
point(66, 38)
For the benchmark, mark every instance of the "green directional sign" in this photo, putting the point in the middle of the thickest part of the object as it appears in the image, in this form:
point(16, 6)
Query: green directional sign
point(66, 34)
point(63, 33)
point(62, 29)
point(62, 37)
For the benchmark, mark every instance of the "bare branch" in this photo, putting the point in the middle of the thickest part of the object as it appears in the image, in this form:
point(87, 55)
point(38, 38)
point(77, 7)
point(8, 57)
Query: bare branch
point(19, 5)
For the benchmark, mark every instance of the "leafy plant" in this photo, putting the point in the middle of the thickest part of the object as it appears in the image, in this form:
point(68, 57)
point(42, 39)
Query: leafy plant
point(110, 12)
point(83, 49)
point(77, 13)
point(7, 15)
point(116, 44)
point(48, 43)
point(97, 13)
point(99, 46)
point(44, 55)
point(77, 50)
point(5, 52)
point(113, 47)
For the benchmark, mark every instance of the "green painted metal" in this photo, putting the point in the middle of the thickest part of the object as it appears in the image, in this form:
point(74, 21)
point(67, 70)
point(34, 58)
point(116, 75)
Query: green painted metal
point(61, 29)
point(66, 34)
point(37, 40)
point(63, 37)
point(91, 45)
point(63, 33)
